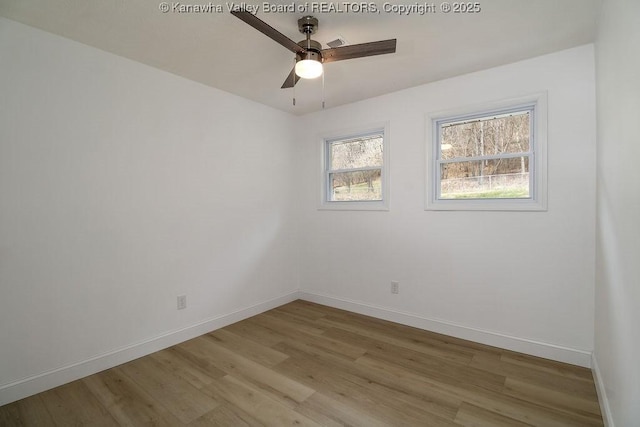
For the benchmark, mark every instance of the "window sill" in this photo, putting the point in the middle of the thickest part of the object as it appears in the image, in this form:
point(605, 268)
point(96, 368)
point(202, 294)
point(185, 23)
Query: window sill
point(354, 206)
point(487, 205)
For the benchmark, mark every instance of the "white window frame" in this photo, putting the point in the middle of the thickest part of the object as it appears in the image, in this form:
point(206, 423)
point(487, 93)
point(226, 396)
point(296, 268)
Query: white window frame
point(359, 205)
point(537, 200)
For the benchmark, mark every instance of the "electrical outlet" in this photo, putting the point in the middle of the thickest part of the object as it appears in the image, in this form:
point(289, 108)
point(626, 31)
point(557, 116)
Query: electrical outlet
point(182, 302)
point(395, 287)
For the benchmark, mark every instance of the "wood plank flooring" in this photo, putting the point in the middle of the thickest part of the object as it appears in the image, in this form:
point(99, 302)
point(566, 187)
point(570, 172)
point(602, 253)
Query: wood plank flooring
point(307, 365)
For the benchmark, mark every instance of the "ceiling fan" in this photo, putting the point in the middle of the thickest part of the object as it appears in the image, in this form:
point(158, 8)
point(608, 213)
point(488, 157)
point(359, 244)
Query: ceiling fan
point(309, 53)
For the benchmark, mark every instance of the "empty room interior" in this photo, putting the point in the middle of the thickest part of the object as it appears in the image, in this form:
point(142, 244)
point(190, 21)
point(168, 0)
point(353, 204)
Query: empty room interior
point(440, 229)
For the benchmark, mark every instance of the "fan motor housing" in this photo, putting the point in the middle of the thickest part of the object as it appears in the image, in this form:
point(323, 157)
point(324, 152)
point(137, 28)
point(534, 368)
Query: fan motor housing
point(309, 54)
point(312, 50)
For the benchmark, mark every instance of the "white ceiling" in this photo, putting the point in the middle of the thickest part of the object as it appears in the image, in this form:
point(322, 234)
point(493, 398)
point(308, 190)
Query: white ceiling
point(221, 51)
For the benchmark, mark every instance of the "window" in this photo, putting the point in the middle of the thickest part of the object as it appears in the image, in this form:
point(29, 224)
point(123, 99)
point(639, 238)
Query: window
point(354, 172)
point(492, 159)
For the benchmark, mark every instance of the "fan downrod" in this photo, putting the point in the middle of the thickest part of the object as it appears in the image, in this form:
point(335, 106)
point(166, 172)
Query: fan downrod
point(308, 25)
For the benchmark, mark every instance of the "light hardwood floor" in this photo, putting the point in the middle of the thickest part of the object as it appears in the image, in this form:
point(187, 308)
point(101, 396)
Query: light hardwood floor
point(307, 364)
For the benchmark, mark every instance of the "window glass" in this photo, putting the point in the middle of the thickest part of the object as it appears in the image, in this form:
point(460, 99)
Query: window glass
point(356, 153)
point(361, 185)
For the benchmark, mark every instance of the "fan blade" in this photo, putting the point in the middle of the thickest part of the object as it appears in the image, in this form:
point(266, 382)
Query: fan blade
point(359, 50)
point(291, 80)
point(267, 30)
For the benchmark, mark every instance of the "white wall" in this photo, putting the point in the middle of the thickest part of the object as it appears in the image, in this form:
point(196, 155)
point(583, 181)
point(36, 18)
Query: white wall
point(522, 280)
point(121, 187)
point(617, 309)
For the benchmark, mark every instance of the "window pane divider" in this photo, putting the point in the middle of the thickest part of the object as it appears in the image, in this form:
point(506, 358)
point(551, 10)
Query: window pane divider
point(368, 168)
point(489, 157)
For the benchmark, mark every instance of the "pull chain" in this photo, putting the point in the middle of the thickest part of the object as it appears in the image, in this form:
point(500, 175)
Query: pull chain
point(323, 95)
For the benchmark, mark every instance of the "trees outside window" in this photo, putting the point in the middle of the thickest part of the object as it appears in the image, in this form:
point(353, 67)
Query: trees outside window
point(487, 157)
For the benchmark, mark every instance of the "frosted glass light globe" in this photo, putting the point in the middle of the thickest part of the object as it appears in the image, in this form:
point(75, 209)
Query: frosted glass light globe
point(308, 68)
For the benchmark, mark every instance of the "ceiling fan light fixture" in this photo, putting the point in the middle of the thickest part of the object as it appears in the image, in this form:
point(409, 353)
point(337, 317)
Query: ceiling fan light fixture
point(310, 56)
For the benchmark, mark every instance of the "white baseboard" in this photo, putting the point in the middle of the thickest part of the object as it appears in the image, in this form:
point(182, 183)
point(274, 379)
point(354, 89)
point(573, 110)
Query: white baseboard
point(38, 383)
point(535, 348)
point(602, 394)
